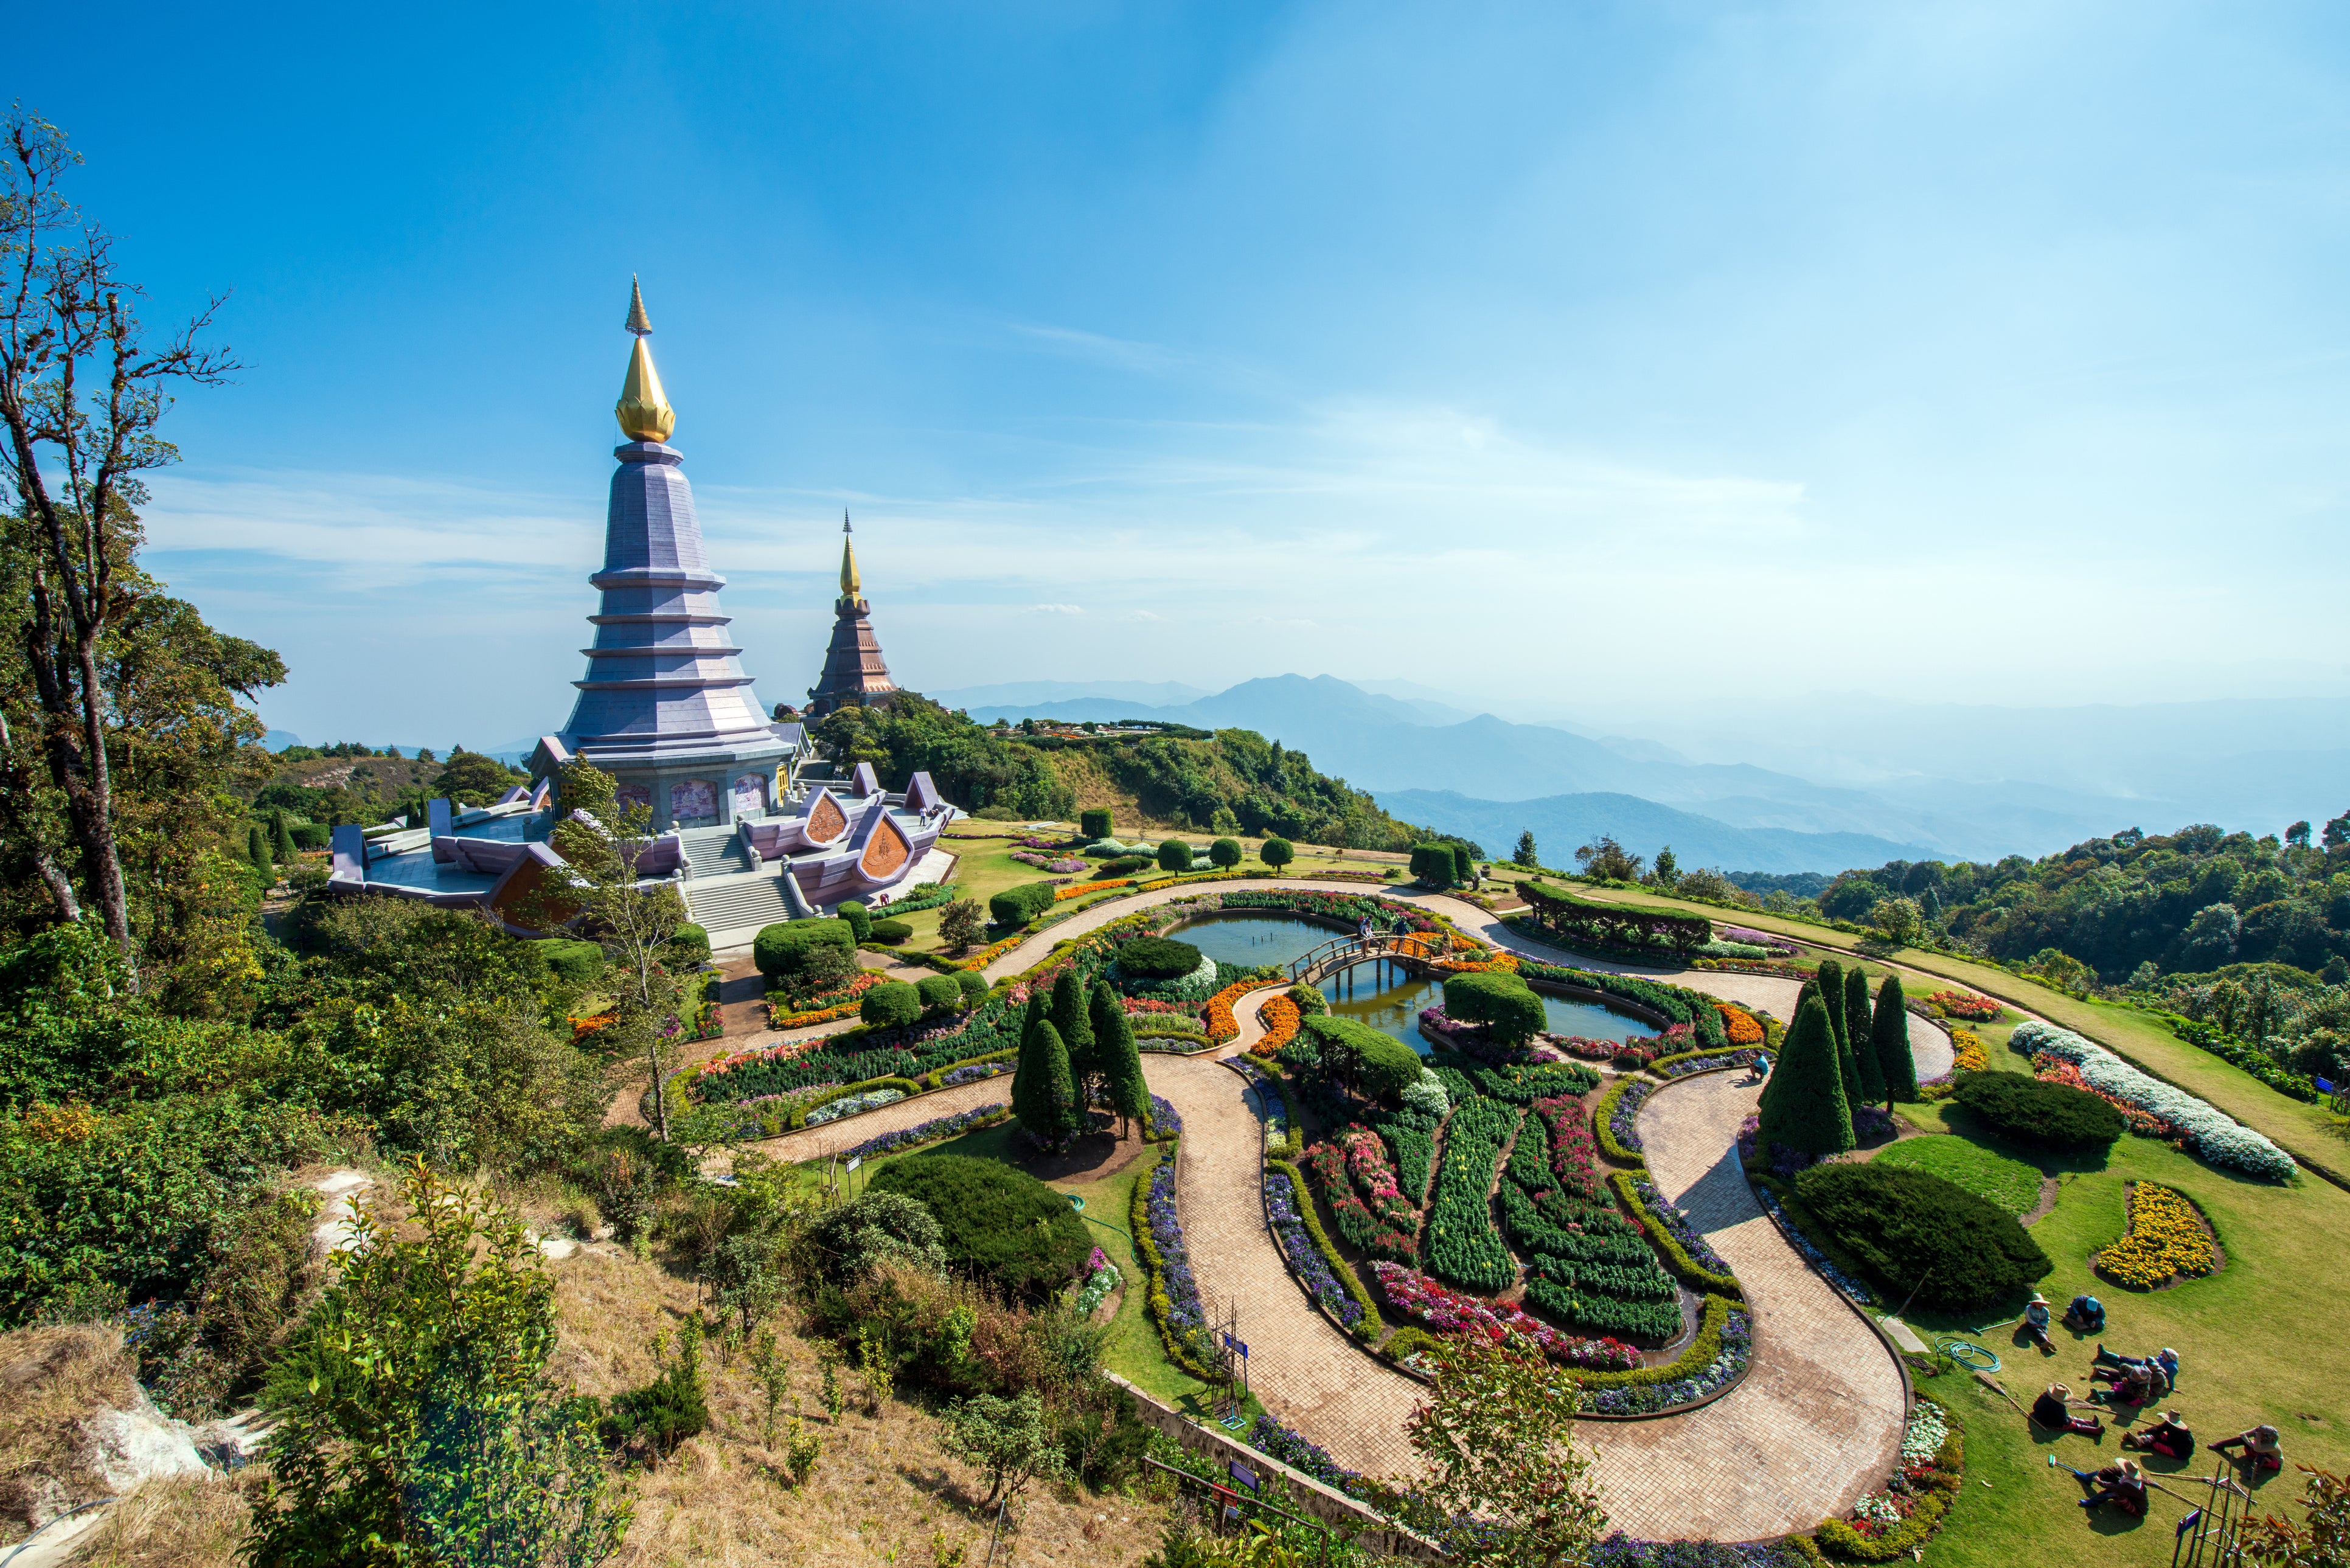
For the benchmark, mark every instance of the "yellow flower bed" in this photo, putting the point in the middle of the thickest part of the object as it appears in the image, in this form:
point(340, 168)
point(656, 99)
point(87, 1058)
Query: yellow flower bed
point(1968, 1053)
point(2166, 1238)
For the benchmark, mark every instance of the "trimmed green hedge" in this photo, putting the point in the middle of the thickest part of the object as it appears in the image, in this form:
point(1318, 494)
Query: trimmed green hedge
point(1922, 1236)
point(1604, 1113)
point(1001, 1225)
point(1691, 1361)
point(2045, 1116)
point(1677, 1261)
point(937, 1076)
point(1302, 1196)
point(1019, 905)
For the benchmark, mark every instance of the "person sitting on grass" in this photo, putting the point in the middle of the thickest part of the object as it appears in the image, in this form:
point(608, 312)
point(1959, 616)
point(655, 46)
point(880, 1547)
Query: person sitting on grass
point(2035, 1324)
point(2087, 1315)
point(2168, 1436)
point(2122, 1485)
point(2259, 1445)
point(2131, 1384)
point(2165, 1359)
point(2053, 1410)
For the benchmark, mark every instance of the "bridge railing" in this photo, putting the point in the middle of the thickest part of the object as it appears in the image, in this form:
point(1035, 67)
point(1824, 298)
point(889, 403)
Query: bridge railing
point(1342, 950)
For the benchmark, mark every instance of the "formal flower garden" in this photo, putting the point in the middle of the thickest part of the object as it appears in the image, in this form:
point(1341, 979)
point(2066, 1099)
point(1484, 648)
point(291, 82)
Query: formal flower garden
point(2166, 1240)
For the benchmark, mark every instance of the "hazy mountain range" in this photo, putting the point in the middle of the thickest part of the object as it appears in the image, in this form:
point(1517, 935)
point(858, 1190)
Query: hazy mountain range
point(1978, 784)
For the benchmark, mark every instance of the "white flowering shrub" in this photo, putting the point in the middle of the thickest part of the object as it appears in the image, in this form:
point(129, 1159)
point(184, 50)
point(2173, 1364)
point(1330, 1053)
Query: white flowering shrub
point(2214, 1134)
point(1427, 1095)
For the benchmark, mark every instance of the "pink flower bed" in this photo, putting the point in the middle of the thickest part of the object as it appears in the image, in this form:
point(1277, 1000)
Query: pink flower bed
point(1448, 1312)
point(1574, 1157)
point(1375, 1176)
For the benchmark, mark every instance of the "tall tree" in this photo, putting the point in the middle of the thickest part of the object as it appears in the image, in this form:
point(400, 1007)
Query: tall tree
point(1807, 1110)
point(1525, 853)
point(1889, 1037)
point(1046, 1100)
point(1076, 1032)
point(1023, 1064)
point(1857, 1023)
point(632, 918)
point(1830, 991)
point(82, 392)
point(1121, 1059)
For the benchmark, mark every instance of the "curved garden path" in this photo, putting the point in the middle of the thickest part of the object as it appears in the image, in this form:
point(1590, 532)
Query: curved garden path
point(1817, 1422)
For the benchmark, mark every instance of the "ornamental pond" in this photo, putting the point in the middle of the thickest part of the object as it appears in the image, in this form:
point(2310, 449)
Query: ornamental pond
point(1381, 995)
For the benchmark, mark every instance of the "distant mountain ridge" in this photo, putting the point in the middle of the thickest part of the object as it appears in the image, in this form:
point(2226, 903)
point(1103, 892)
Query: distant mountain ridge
point(1562, 822)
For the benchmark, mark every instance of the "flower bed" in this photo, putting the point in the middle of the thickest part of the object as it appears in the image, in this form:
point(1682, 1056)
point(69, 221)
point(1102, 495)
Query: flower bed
point(1082, 889)
point(1358, 1184)
point(1716, 1358)
point(2166, 1240)
point(2217, 1137)
point(1165, 1125)
point(1290, 1211)
point(1173, 1303)
point(1411, 1137)
point(1270, 1436)
point(1685, 1252)
point(1741, 1027)
point(1688, 1062)
point(850, 1105)
point(1967, 1053)
point(930, 1131)
point(972, 1072)
point(1447, 1312)
point(2050, 1069)
point(1101, 1278)
point(1897, 1522)
point(825, 1008)
point(1573, 1159)
point(1280, 1017)
point(1964, 1004)
point(1459, 1242)
point(1619, 1119)
point(1222, 1027)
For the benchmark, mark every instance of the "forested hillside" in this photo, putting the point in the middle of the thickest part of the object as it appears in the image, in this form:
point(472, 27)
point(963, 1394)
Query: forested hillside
point(1232, 780)
point(2186, 903)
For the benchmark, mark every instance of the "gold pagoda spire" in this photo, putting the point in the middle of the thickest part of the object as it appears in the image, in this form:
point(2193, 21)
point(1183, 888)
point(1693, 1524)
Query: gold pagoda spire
point(643, 409)
point(848, 584)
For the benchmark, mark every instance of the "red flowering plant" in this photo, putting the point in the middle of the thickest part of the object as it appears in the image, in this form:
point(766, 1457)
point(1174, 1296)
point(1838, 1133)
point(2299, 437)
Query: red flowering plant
point(1964, 1004)
point(2050, 1069)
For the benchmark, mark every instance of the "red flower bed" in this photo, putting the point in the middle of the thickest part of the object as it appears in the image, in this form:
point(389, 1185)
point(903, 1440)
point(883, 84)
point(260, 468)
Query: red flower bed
point(1965, 1004)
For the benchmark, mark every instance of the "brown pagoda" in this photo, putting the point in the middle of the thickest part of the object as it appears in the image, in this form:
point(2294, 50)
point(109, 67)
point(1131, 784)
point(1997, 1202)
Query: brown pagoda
point(854, 669)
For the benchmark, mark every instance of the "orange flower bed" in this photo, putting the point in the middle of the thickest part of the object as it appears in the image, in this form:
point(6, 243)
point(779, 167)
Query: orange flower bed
point(1281, 1019)
point(988, 955)
point(1741, 1026)
point(1082, 889)
point(1222, 1027)
point(582, 1027)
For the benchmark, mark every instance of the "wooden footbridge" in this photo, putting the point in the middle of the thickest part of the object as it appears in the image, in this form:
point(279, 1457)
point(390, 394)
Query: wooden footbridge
point(1416, 952)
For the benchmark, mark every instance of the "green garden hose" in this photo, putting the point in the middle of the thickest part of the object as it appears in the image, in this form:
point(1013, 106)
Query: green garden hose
point(1965, 1352)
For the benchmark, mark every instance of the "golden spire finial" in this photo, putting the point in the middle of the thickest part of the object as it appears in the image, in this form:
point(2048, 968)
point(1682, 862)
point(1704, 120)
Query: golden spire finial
point(847, 559)
point(643, 410)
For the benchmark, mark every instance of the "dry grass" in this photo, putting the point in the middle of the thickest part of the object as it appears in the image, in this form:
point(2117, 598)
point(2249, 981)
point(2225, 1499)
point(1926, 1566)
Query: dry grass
point(883, 1491)
point(51, 1379)
point(176, 1521)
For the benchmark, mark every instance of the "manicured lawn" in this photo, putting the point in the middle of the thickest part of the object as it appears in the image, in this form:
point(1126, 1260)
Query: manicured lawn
point(1994, 1177)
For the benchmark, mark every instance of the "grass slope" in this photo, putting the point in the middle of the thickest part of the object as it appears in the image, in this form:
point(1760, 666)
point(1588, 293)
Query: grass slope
point(1994, 1177)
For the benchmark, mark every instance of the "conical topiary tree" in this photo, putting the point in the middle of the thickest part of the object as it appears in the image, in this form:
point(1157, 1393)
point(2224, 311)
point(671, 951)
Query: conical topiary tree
point(1045, 1101)
point(256, 848)
point(1888, 1037)
point(1808, 1112)
point(1020, 1064)
point(1830, 993)
point(1121, 1057)
point(281, 838)
point(1864, 1049)
point(1076, 1032)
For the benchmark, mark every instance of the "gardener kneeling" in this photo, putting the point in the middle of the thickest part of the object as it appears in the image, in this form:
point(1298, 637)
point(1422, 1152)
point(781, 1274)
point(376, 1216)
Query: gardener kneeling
point(2122, 1485)
point(2087, 1315)
point(2169, 1436)
point(2053, 1408)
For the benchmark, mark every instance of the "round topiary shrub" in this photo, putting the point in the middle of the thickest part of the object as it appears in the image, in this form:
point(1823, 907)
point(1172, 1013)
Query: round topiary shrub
point(1018, 906)
point(1174, 856)
point(1378, 1064)
point(780, 950)
point(861, 920)
point(1122, 866)
point(1277, 852)
point(1499, 1000)
point(1225, 853)
point(690, 947)
point(577, 964)
point(2045, 1116)
point(1915, 1231)
point(1156, 958)
point(1094, 824)
point(973, 984)
point(891, 1005)
point(889, 931)
point(939, 992)
point(999, 1224)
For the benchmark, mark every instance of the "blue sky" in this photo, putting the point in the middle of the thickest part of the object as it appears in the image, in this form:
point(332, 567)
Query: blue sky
point(1556, 354)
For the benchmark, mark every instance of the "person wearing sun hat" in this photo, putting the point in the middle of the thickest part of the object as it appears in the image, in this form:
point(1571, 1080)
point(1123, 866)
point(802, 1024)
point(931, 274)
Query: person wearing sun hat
point(2122, 1485)
point(2259, 1445)
point(2053, 1410)
point(2168, 1436)
point(2035, 1324)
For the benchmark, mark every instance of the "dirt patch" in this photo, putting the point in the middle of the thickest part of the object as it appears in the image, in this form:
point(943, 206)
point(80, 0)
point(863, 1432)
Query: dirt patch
point(1090, 1158)
point(52, 1380)
point(2049, 1188)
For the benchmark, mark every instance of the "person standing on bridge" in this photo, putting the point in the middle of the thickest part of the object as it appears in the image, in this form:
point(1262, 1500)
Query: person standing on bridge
point(1363, 927)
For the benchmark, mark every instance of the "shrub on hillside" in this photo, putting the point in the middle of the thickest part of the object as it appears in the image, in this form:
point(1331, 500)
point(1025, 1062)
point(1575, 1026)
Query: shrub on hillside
point(892, 1004)
point(781, 951)
point(1913, 1231)
point(1156, 958)
point(1174, 854)
point(973, 985)
point(689, 948)
point(1018, 906)
point(998, 1223)
point(890, 932)
point(576, 963)
point(2045, 1116)
point(1225, 853)
point(1277, 852)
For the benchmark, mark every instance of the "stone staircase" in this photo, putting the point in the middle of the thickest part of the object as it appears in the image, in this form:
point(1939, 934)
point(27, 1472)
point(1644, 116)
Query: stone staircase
point(731, 908)
point(714, 852)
